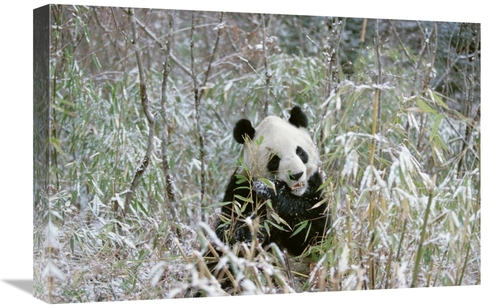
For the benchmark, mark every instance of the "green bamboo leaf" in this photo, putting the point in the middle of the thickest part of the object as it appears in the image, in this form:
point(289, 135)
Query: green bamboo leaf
point(435, 127)
point(55, 143)
point(266, 226)
point(280, 220)
point(300, 227)
point(462, 117)
point(438, 99)
point(424, 107)
point(268, 183)
point(96, 61)
point(277, 226)
point(246, 200)
point(328, 180)
point(241, 179)
point(65, 102)
point(259, 141)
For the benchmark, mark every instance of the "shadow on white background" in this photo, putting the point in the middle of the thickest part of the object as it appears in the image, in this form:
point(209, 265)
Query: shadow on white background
point(22, 284)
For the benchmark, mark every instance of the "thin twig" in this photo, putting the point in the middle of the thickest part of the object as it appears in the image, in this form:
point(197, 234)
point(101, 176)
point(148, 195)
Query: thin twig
point(169, 191)
point(363, 31)
point(149, 116)
point(219, 29)
point(469, 85)
point(266, 67)
point(163, 46)
point(332, 73)
point(198, 126)
point(376, 112)
point(408, 56)
point(425, 46)
point(432, 57)
point(422, 236)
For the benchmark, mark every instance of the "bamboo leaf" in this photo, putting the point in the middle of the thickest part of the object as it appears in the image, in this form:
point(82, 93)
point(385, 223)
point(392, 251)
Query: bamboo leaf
point(435, 97)
point(435, 127)
point(425, 107)
point(246, 200)
point(300, 227)
point(280, 220)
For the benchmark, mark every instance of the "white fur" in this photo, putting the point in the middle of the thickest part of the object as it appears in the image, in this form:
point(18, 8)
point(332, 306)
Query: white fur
point(282, 138)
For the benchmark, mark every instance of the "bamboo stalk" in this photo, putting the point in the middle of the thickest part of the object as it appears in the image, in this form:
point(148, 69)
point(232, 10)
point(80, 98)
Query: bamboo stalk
point(266, 67)
point(197, 211)
point(145, 107)
point(169, 190)
point(422, 237)
point(388, 269)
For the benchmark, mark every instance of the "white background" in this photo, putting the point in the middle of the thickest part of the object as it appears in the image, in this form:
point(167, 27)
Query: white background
point(16, 150)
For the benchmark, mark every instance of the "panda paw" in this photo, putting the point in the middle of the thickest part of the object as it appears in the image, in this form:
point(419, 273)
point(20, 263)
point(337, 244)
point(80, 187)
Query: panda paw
point(269, 189)
point(243, 234)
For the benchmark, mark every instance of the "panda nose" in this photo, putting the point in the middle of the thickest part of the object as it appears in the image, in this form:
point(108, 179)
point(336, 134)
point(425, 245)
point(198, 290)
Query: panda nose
point(296, 176)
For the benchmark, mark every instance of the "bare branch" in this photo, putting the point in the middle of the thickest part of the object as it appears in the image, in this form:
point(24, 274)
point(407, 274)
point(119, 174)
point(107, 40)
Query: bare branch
point(407, 54)
point(196, 90)
point(425, 46)
point(266, 67)
point(169, 191)
point(164, 47)
point(219, 29)
point(332, 71)
point(145, 107)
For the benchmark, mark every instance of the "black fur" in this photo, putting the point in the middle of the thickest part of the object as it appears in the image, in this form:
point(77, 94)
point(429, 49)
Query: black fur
point(274, 163)
point(242, 128)
point(302, 154)
point(298, 117)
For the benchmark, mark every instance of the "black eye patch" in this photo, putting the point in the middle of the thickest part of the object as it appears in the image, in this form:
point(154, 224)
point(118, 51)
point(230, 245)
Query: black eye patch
point(274, 163)
point(302, 154)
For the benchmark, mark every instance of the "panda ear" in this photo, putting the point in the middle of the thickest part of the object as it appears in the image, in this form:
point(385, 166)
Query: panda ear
point(242, 128)
point(298, 117)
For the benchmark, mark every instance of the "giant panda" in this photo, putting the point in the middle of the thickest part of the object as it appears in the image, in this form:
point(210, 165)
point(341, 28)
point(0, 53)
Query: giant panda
point(281, 164)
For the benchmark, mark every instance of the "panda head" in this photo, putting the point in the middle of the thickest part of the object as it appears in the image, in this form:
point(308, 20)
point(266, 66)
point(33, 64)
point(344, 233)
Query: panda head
point(279, 149)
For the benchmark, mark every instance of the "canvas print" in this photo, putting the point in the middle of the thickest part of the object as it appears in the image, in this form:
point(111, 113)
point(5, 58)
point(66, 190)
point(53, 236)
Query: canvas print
point(182, 154)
